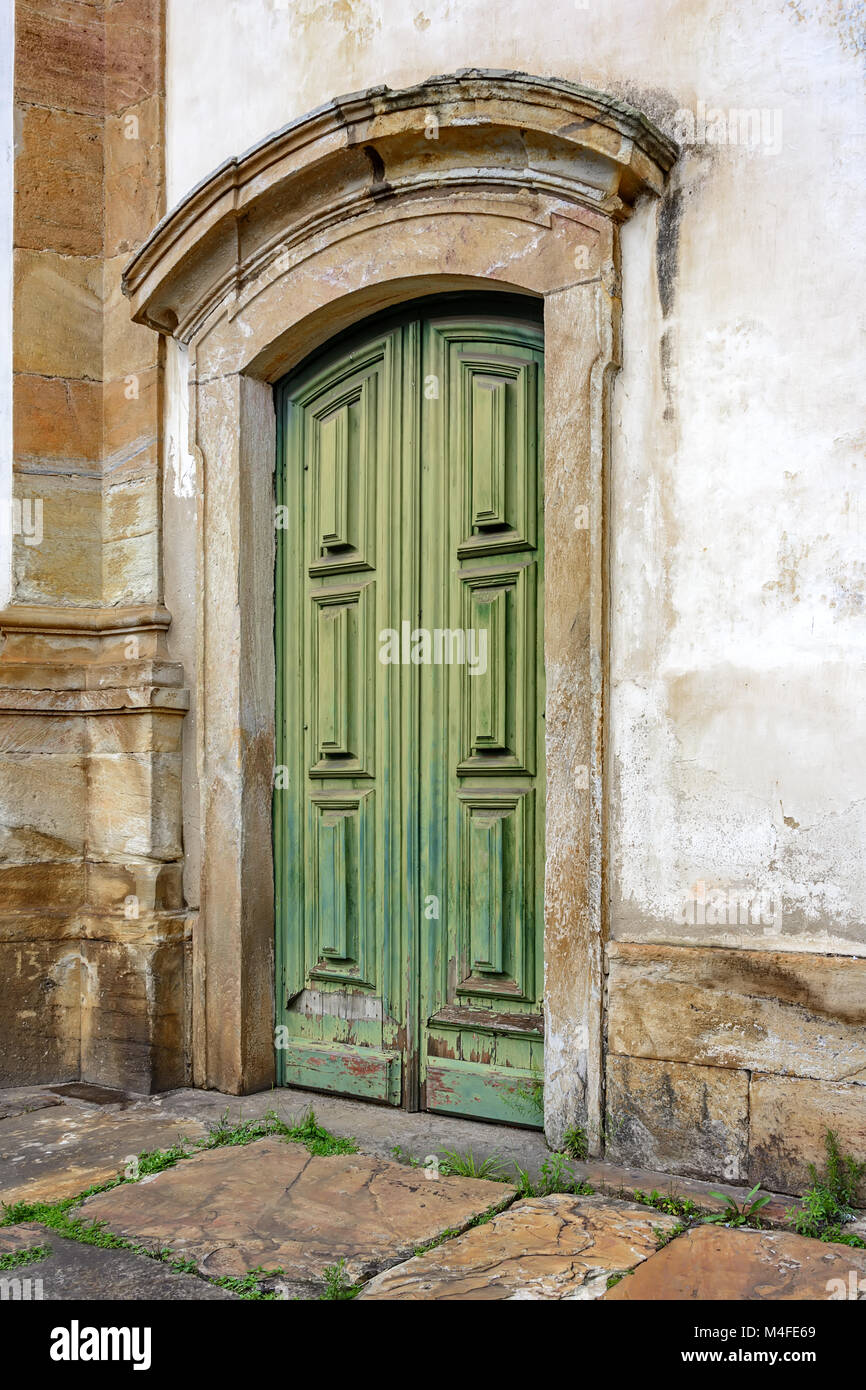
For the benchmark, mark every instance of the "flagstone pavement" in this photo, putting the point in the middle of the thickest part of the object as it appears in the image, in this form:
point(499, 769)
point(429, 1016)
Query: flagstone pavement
point(272, 1218)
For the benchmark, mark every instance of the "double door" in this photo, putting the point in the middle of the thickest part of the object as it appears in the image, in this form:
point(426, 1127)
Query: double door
point(409, 788)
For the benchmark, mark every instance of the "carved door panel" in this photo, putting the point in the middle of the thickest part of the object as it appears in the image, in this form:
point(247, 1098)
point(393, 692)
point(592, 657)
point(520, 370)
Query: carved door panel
point(409, 787)
point(341, 902)
point(482, 971)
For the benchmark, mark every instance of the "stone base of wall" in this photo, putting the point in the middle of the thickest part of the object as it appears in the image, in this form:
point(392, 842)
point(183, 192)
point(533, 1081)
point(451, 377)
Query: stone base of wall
point(734, 1064)
point(93, 927)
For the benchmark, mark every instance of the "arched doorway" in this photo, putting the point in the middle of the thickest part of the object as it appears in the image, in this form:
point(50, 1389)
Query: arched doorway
point(409, 801)
point(491, 180)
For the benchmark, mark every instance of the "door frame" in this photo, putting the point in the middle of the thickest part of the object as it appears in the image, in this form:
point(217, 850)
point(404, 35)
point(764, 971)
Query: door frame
point(269, 258)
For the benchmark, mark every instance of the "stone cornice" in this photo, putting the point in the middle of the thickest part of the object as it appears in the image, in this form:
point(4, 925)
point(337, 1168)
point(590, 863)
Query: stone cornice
point(56, 637)
point(467, 132)
point(127, 699)
point(68, 621)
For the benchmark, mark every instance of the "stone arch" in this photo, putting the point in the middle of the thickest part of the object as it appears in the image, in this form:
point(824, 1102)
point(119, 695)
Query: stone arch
point(480, 178)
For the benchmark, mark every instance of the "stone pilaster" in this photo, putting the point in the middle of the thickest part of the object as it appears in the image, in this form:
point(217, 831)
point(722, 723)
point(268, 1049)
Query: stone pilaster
point(93, 930)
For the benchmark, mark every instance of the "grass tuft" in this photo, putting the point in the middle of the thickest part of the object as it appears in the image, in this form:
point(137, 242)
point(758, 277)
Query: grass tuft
point(16, 1258)
point(338, 1285)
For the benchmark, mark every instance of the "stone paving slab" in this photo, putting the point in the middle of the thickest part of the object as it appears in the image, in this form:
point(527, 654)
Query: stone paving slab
point(72, 1271)
point(58, 1152)
point(21, 1100)
point(558, 1247)
point(21, 1237)
point(709, 1263)
point(272, 1204)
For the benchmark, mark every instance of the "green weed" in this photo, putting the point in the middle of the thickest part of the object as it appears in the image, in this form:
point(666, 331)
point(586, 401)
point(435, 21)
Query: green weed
point(669, 1204)
point(575, 1143)
point(829, 1202)
point(16, 1258)
point(734, 1215)
point(555, 1175)
point(248, 1286)
point(338, 1285)
point(664, 1237)
point(466, 1165)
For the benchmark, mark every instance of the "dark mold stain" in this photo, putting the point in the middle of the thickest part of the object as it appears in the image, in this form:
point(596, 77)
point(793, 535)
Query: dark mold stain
point(667, 246)
point(665, 361)
point(380, 187)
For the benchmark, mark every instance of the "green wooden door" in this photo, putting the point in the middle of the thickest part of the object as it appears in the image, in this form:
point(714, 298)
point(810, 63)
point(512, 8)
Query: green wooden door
point(409, 793)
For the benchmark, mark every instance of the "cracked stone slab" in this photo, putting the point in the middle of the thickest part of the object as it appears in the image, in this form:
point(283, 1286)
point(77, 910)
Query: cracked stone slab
point(58, 1152)
point(74, 1271)
point(273, 1205)
point(21, 1101)
point(558, 1247)
point(24, 1236)
point(711, 1262)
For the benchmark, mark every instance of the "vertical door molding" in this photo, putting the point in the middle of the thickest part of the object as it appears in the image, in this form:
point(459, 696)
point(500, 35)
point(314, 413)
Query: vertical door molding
point(262, 264)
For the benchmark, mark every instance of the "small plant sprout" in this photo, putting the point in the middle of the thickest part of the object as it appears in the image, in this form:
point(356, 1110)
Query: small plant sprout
point(734, 1215)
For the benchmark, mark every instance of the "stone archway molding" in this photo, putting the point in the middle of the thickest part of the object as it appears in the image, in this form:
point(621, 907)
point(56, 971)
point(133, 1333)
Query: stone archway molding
point(479, 179)
point(475, 130)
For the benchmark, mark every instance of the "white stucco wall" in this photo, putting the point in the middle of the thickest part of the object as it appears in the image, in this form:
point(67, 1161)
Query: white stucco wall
point(738, 582)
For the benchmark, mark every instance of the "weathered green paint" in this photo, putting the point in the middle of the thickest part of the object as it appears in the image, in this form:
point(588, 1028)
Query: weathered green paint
point(510, 1095)
point(409, 834)
point(363, 1072)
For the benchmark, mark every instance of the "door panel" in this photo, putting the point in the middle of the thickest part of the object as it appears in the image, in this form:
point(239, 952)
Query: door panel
point(483, 967)
point(341, 904)
point(408, 834)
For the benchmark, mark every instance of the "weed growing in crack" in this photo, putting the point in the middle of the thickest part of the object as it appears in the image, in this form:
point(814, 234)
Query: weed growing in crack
point(248, 1285)
point(554, 1176)
point(664, 1237)
point(400, 1155)
point(307, 1131)
point(315, 1137)
point(448, 1234)
point(152, 1161)
point(575, 1143)
point(488, 1215)
point(669, 1204)
point(829, 1202)
point(467, 1166)
point(734, 1215)
point(338, 1285)
point(16, 1258)
point(56, 1215)
point(452, 1231)
point(224, 1132)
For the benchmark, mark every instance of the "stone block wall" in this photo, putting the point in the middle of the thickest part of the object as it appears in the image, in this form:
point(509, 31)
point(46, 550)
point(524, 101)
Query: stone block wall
point(93, 930)
point(734, 1063)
